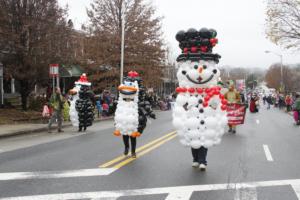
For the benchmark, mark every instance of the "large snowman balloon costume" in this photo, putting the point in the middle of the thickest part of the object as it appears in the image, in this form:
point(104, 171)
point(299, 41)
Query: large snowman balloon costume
point(199, 114)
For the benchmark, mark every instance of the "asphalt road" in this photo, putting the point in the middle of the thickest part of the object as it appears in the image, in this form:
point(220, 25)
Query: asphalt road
point(261, 161)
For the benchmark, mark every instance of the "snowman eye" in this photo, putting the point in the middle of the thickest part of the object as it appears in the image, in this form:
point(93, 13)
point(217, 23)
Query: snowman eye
point(183, 72)
point(196, 66)
point(215, 71)
point(204, 67)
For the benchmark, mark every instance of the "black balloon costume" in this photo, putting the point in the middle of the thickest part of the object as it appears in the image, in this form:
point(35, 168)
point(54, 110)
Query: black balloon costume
point(145, 108)
point(84, 107)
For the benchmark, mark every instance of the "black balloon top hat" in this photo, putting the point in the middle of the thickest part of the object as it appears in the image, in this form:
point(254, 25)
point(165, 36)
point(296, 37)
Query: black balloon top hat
point(197, 45)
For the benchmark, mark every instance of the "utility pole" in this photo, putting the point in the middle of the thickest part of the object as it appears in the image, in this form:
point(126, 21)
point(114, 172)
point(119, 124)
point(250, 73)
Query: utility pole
point(122, 40)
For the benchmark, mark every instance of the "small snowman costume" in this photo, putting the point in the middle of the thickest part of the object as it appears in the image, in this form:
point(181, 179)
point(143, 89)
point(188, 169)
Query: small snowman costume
point(199, 113)
point(131, 113)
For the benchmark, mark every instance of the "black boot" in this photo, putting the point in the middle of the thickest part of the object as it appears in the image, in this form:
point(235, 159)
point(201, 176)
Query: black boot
point(126, 151)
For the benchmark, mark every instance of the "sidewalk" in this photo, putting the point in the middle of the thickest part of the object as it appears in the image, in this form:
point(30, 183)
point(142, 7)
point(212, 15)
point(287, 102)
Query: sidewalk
point(18, 129)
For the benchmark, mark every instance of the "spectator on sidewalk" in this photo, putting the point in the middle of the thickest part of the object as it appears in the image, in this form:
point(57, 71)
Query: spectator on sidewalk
point(296, 109)
point(99, 107)
point(288, 103)
point(105, 109)
point(56, 102)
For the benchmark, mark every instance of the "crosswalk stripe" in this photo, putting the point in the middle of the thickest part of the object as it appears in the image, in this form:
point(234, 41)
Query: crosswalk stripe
point(246, 194)
point(55, 174)
point(182, 195)
point(297, 190)
point(173, 192)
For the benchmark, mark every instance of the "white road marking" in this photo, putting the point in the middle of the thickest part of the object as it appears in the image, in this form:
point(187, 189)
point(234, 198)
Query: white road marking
point(180, 195)
point(172, 191)
point(55, 174)
point(268, 153)
point(297, 190)
point(257, 121)
point(246, 194)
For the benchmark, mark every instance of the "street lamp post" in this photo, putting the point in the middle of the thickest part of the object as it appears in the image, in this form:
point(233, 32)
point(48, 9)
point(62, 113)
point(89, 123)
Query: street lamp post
point(122, 41)
point(281, 67)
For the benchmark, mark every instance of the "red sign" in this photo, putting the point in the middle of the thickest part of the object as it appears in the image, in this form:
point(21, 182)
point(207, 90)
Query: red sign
point(236, 114)
point(53, 70)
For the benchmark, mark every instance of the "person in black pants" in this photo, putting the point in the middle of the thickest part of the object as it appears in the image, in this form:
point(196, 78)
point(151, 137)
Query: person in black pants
point(144, 111)
point(199, 158)
point(126, 143)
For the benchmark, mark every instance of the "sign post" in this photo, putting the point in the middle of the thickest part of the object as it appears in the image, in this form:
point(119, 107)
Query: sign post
point(1, 86)
point(54, 74)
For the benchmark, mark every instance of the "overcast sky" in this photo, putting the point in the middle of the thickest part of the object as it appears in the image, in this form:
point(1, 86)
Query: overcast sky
point(240, 26)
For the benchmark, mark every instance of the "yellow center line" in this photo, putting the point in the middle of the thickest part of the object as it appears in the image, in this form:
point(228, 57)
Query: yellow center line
point(129, 160)
point(138, 150)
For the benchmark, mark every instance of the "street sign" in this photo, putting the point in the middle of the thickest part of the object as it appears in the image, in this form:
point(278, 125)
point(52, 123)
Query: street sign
point(53, 70)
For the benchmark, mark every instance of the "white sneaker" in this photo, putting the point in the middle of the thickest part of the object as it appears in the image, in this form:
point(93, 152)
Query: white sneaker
point(202, 167)
point(195, 164)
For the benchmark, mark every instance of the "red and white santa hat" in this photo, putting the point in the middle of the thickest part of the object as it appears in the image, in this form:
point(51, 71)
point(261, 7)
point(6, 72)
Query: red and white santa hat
point(83, 80)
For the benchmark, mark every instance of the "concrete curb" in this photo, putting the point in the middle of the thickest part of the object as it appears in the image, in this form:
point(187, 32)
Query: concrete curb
point(22, 132)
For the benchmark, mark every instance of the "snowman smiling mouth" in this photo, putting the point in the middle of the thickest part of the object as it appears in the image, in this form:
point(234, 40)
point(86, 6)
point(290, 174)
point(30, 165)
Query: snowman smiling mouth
point(200, 79)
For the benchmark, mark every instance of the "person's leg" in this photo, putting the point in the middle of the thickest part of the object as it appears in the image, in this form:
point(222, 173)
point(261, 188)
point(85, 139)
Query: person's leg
point(126, 144)
point(51, 120)
point(133, 146)
point(230, 128)
point(202, 158)
point(195, 153)
point(59, 121)
point(233, 128)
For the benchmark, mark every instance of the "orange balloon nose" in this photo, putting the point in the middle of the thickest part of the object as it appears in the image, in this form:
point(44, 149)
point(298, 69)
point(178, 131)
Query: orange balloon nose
point(200, 69)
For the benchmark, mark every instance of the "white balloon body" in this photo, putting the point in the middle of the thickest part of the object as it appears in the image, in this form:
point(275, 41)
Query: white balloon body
point(126, 115)
point(73, 112)
point(198, 125)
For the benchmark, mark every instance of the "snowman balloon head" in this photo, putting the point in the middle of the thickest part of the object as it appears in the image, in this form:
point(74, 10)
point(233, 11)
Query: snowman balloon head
point(197, 63)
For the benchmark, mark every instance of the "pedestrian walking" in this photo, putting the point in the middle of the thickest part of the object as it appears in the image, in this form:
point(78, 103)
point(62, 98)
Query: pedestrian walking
point(232, 97)
point(269, 101)
point(56, 102)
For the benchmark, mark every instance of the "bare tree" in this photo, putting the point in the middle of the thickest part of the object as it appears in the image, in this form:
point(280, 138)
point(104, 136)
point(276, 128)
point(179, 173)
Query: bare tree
point(273, 77)
point(144, 48)
point(34, 34)
point(283, 22)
